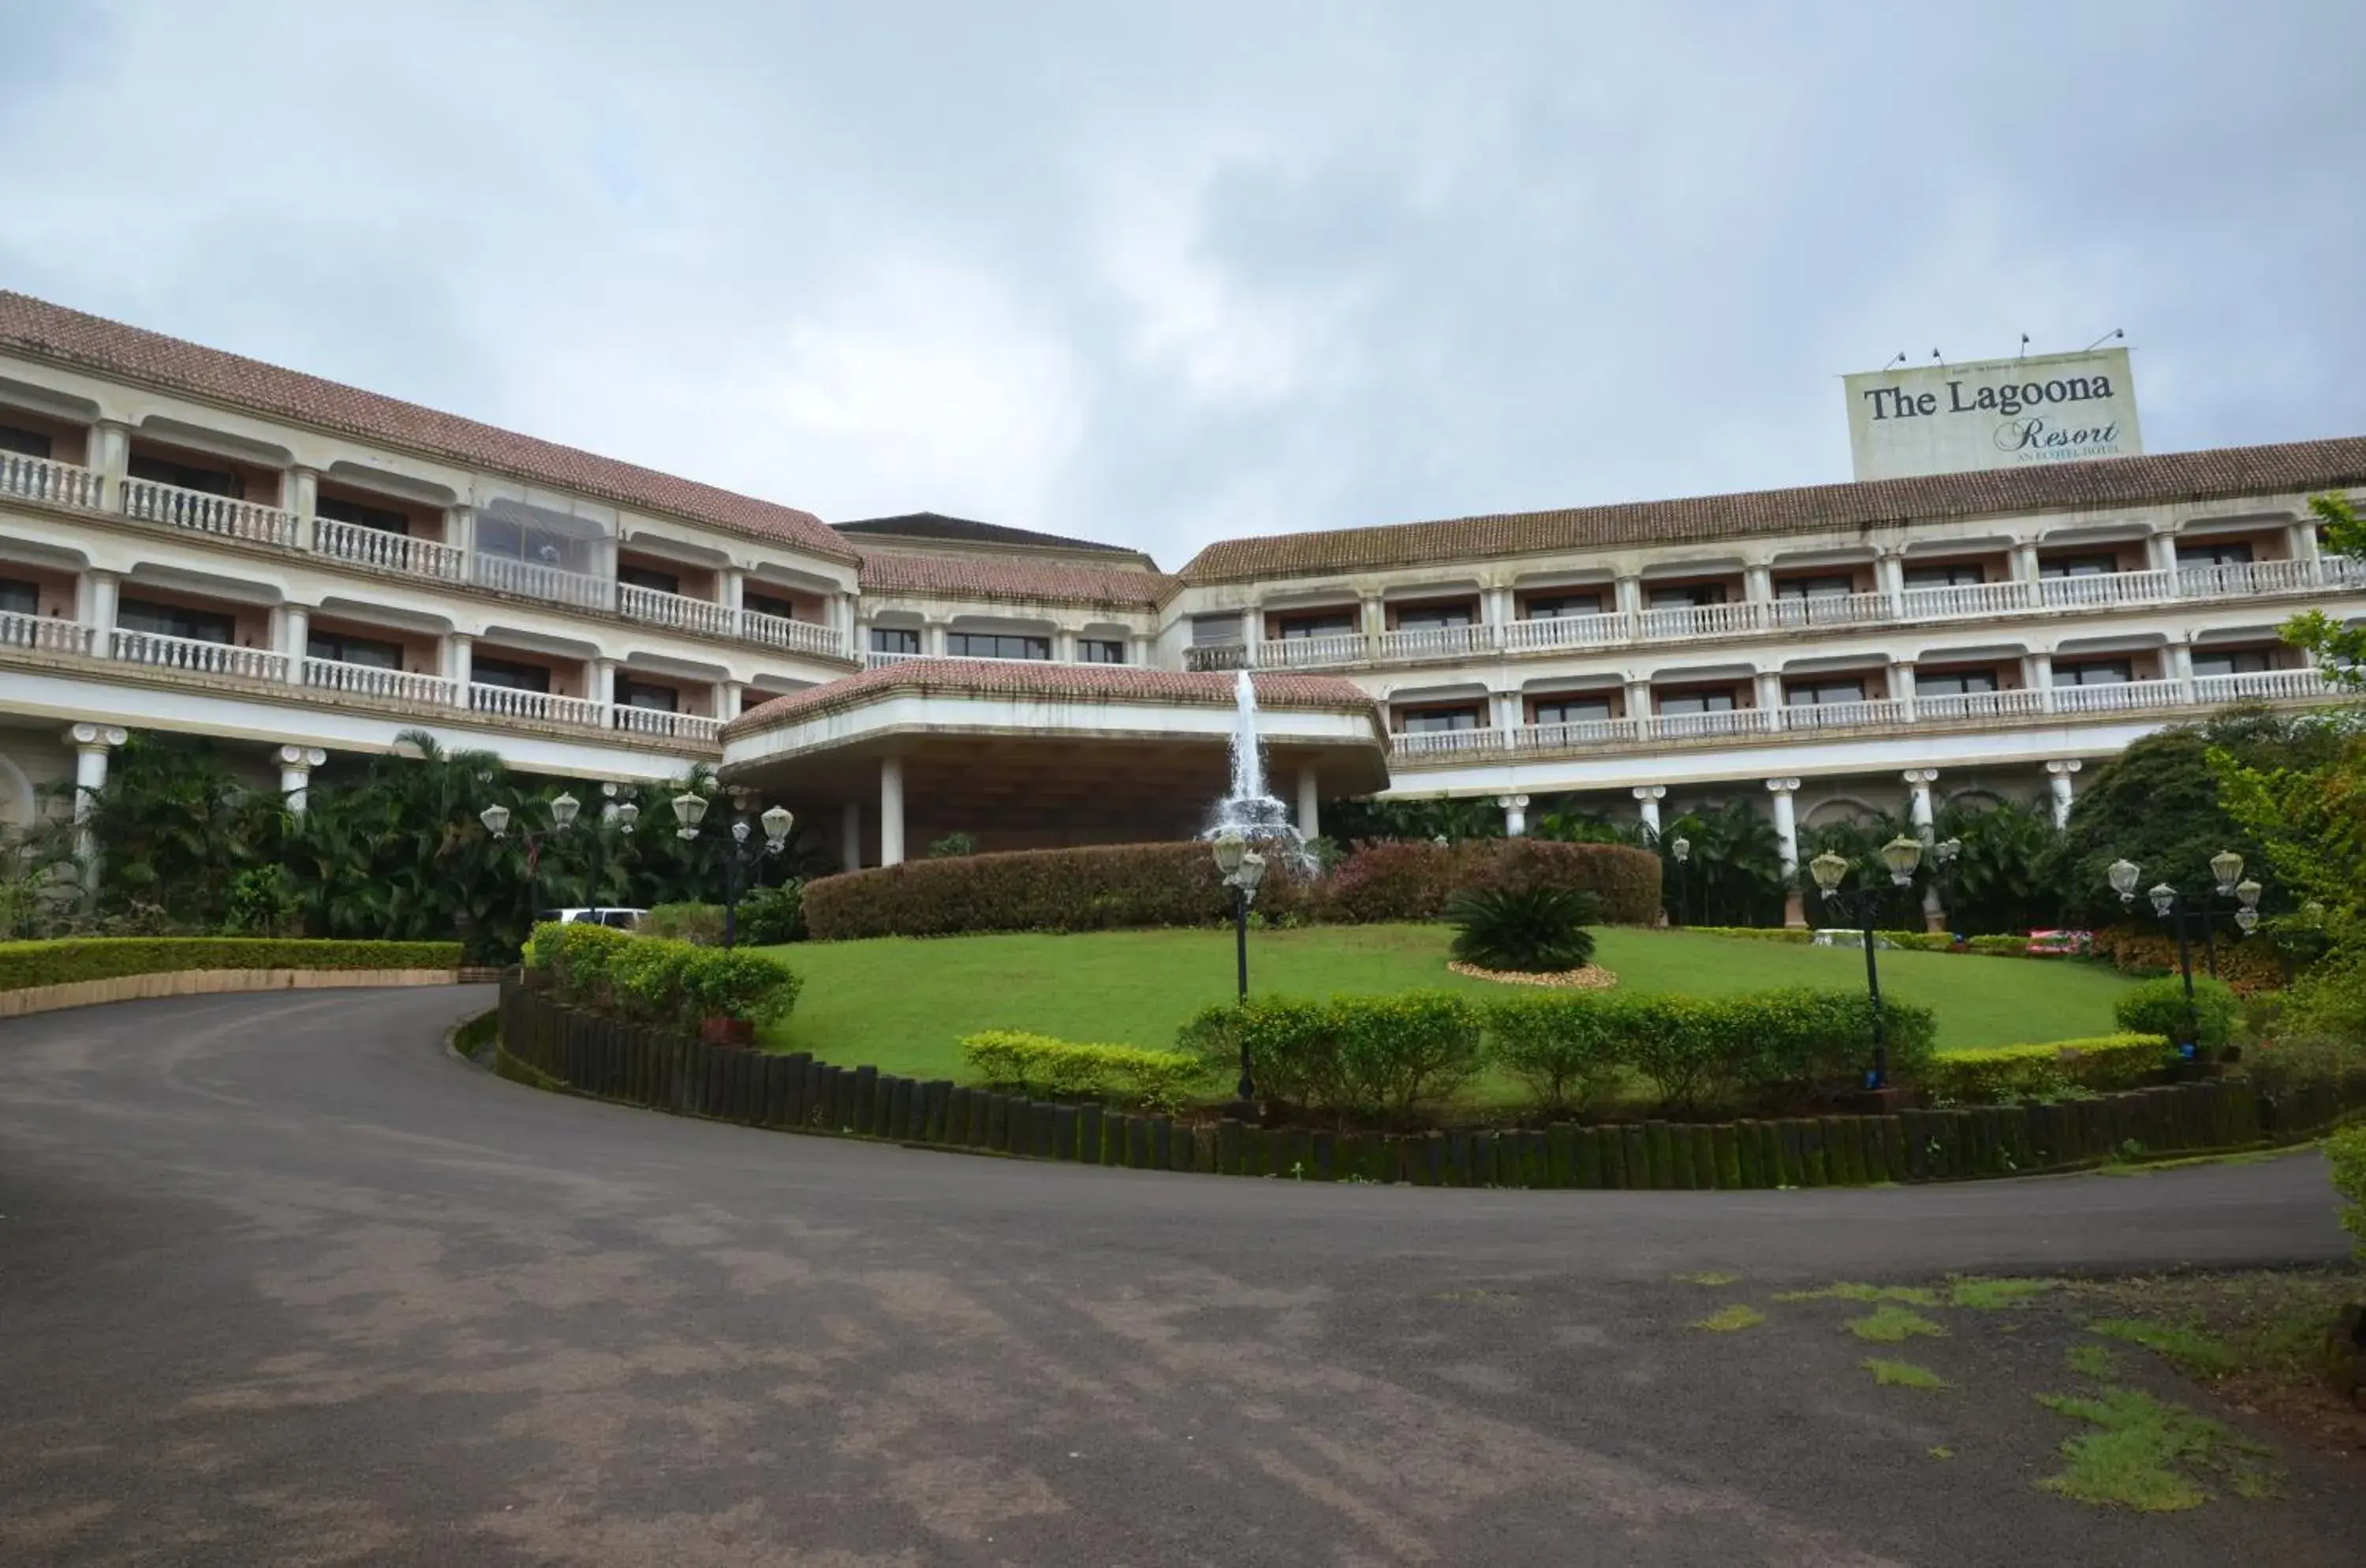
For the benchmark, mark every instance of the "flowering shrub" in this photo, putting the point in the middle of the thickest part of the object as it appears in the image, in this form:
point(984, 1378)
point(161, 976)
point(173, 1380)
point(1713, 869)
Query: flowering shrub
point(2248, 966)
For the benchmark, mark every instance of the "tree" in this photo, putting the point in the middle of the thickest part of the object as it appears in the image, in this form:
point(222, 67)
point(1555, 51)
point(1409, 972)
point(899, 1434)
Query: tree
point(2003, 880)
point(1734, 874)
point(2339, 650)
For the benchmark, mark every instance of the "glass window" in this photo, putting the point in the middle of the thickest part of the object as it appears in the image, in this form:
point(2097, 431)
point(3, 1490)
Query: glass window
point(2095, 672)
point(1560, 606)
point(1330, 623)
point(1834, 587)
point(173, 620)
point(998, 645)
point(515, 677)
point(1215, 631)
point(768, 604)
point(2079, 566)
point(632, 693)
point(1100, 651)
point(23, 443)
point(1687, 595)
point(1819, 693)
point(1954, 682)
point(648, 577)
point(1571, 710)
point(339, 648)
point(1433, 721)
point(337, 509)
point(183, 476)
point(18, 597)
point(2221, 552)
point(894, 639)
point(1433, 617)
point(1946, 574)
point(2233, 661)
point(515, 538)
point(1696, 702)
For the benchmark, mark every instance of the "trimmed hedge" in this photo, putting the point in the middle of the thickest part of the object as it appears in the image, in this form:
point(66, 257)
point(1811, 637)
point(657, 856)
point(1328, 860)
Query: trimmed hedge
point(2158, 1006)
point(1120, 886)
point(1013, 1059)
point(1999, 1075)
point(1379, 1058)
point(1917, 941)
point(657, 980)
point(66, 960)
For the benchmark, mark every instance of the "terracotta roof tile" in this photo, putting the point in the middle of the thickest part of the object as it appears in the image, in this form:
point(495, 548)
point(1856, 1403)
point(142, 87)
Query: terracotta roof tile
point(51, 332)
point(2114, 481)
point(893, 571)
point(1031, 678)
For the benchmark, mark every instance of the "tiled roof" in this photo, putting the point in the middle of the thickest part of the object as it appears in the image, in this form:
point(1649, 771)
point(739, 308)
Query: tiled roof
point(984, 577)
point(1030, 678)
point(2113, 481)
point(965, 530)
point(51, 332)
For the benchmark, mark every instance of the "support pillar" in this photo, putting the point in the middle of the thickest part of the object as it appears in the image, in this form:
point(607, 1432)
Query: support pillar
point(2057, 779)
point(295, 766)
point(303, 498)
point(1374, 619)
point(2038, 675)
point(1647, 804)
point(295, 640)
point(1638, 702)
point(1889, 581)
point(1310, 799)
point(1626, 597)
point(458, 653)
point(1787, 834)
point(95, 608)
point(91, 743)
point(2160, 550)
point(1063, 646)
point(2180, 665)
point(1253, 636)
point(729, 695)
point(1516, 815)
point(108, 456)
point(2024, 562)
point(1766, 689)
point(1758, 584)
point(602, 686)
point(891, 811)
point(1919, 812)
point(932, 639)
point(1901, 687)
point(460, 529)
point(850, 836)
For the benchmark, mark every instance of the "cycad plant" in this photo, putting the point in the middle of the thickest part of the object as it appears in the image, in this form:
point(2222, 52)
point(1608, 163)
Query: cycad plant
point(1532, 929)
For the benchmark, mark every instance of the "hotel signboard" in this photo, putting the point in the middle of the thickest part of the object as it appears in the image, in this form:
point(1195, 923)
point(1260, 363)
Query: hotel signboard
point(1999, 413)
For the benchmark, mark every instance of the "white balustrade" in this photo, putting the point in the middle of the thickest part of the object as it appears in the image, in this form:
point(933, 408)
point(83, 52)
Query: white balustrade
point(508, 702)
point(876, 660)
point(2103, 588)
point(2120, 696)
point(390, 551)
point(1844, 716)
point(373, 681)
point(677, 610)
point(1574, 733)
point(1437, 642)
point(1953, 707)
point(37, 478)
point(44, 634)
point(199, 656)
point(1704, 620)
point(1311, 652)
point(799, 636)
point(205, 513)
point(1702, 725)
point(666, 725)
point(1216, 656)
point(534, 580)
point(2262, 685)
point(1829, 610)
point(1969, 599)
point(1568, 631)
point(1446, 742)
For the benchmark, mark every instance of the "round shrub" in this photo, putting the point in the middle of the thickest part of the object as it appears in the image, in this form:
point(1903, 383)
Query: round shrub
point(2158, 1006)
point(1537, 928)
point(770, 916)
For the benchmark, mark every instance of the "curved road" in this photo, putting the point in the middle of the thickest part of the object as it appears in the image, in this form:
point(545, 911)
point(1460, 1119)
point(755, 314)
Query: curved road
point(280, 1282)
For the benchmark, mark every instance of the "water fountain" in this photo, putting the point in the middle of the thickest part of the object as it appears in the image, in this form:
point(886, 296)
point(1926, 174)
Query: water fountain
point(1249, 812)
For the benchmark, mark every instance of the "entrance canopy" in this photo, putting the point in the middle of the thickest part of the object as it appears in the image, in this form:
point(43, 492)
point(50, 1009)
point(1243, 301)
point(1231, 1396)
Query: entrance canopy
point(1024, 755)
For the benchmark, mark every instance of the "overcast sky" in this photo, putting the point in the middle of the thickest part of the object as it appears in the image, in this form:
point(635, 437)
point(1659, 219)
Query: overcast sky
point(1161, 275)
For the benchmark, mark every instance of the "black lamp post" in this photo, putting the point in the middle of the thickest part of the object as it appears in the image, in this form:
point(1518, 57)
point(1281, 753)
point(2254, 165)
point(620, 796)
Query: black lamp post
point(738, 855)
point(2170, 905)
point(1680, 850)
point(1244, 868)
point(1862, 907)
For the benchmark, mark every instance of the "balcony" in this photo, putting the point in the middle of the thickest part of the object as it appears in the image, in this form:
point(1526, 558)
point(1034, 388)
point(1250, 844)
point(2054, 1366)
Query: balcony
point(37, 478)
point(1879, 716)
point(378, 683)
point(196, 656)
point(44, 634)
point(203, 512)
point(389, 552)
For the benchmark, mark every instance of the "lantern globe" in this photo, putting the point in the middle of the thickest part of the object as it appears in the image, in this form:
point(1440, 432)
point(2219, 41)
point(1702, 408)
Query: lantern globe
point(1828, 869)
point(563, 808)
point(496, 819)
point(1901, 855)
point(2123, 875)
point(1229, 849)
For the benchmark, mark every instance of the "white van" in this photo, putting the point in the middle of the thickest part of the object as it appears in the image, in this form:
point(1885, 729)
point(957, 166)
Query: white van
point(622, 919)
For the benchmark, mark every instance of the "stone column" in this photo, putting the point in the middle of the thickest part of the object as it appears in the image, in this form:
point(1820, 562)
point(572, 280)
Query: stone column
point(728, 697)
point(2024, 561)
point(1787, 833)
point(1627, 598)
point(108, 455)
point(850, 836)
point(1766, 688)
point(891, 811)
point(1919, 812)
point(602, 685)
point(1138, 650)
point(1901, 687)
point(460, 529)
point(91, 743)
point(2303, 539)
point(1495, 609)
point(1253, 634)
point(95, 608)
point(1375, 622)
point(1639, 701)
point(1064, 645)
point(2037, 674)
point(1310, 801)
point(932, 640)
point(2180, 664)
point(295, 766)
point(458, 654)
point(1647, 805)
point(295, 640)
point(731, 591)
point(1758, 582)
point(1889, 581)
point(2057, 779)
point(2160, 550)
point(303, 495)
point(1516, 815)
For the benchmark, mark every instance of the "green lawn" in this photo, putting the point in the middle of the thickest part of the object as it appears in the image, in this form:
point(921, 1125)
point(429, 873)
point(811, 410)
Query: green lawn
point(900, 1003)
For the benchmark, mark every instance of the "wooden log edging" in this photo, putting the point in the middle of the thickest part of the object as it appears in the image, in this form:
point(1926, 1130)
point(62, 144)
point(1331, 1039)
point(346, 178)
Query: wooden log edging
point(544, 1043)
point(30, 1000)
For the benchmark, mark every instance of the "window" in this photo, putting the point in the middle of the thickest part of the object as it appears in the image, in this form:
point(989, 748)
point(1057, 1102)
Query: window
point(337, 509)
point(894, 639)
point(2095, 672)
point(1685, 596)
point(2233, 661)
point(1216, 631)
point(183, 476)
point(1100, 651)
point(2221, 552)
point(1330, 623)
point(998, 645)
point(1832, 587)
point(18, 597)
point(768, 604)
point(1559, 606)
point(514, 677)
point(23, 443)
point(1436, 721)
point(1946, 574)
point(648, 577)
point(510, 537)
point(376, 653)
point(2079, 566)
point(632, 693)
point(1433, 617)
point(1571, 710)
point(173, 620)
point(1820, 692)
point(1954, 682)
point(1696, 702)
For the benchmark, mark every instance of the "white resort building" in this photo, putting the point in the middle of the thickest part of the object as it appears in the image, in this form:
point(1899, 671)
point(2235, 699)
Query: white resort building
point(196, 542)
